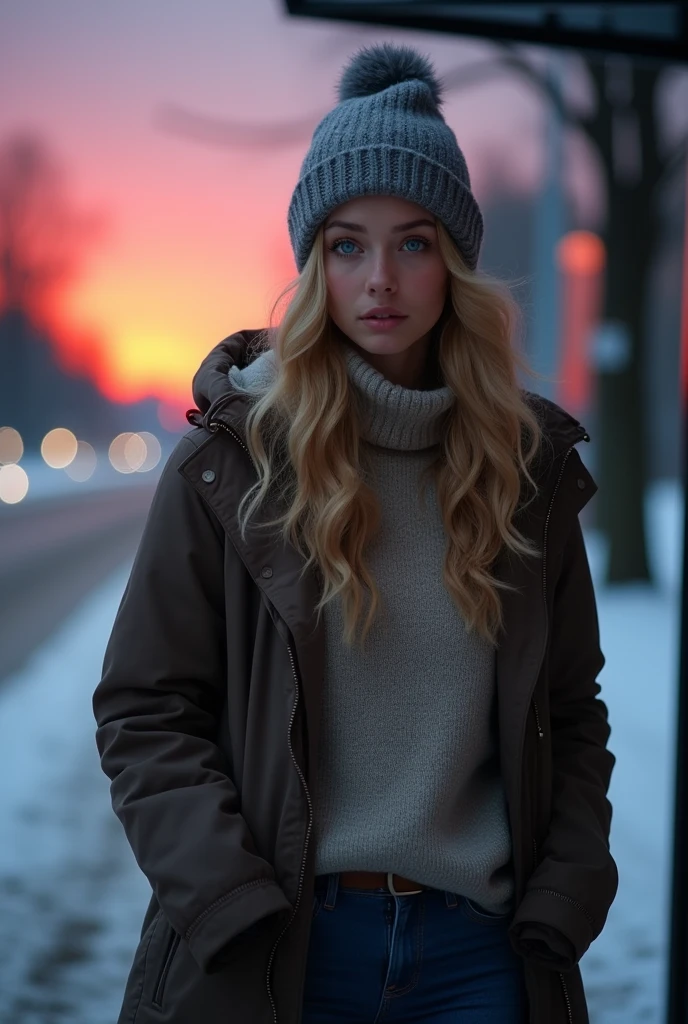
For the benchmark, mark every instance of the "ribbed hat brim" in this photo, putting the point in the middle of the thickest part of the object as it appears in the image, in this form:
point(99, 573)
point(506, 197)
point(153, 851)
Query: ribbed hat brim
point(380, 170)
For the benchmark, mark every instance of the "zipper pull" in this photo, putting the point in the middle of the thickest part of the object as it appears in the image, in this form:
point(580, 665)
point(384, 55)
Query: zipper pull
point(541, 734)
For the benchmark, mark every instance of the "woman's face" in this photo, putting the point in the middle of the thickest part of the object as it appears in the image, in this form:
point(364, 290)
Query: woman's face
point(383, 251)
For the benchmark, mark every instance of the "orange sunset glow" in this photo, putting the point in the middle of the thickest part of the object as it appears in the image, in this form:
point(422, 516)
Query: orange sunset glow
point(145, 312)
point(193, 241)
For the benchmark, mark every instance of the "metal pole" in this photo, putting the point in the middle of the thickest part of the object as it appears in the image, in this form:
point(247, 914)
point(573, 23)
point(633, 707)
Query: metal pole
point(549, 227)
point(677, 995)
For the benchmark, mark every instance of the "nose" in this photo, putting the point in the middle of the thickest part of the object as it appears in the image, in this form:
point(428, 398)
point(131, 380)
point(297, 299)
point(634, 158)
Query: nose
point(381, 277)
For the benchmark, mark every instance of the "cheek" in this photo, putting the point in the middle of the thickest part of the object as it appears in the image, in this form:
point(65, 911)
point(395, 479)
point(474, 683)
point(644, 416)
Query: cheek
point(428, 283)
point(342, 288)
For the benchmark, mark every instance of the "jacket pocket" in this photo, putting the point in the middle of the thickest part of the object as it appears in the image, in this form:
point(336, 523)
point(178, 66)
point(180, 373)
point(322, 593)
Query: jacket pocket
point(540, 772)
point(164, 970)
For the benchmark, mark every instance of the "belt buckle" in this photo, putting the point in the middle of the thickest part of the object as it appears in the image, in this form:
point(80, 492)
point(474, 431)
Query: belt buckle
point(390, 883)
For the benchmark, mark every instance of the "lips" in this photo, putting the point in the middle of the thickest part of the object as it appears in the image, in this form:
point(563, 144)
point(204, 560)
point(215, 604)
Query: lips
point(383, 313)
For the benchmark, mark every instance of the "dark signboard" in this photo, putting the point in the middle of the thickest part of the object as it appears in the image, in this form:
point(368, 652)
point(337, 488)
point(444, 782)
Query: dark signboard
point(658, 30)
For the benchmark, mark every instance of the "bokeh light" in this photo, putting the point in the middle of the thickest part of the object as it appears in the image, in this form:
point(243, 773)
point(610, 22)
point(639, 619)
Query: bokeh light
point(59, 447)
point(581, 252)
point(14, 484)
point(11, 445)
point(153, 452)
point(135, 452)
point(116, 453)
point(83, 465)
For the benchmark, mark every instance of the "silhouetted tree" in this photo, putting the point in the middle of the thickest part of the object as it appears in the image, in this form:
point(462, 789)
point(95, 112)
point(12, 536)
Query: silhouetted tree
point(42, 236)
point(43, 240)
point(623, 127)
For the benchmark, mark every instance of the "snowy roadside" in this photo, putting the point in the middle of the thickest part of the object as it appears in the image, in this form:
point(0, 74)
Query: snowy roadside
point(71, 894)
point(624, 970)
point(72, 897)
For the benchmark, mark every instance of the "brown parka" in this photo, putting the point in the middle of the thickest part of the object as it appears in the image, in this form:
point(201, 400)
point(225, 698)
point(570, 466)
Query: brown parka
point(207, 726)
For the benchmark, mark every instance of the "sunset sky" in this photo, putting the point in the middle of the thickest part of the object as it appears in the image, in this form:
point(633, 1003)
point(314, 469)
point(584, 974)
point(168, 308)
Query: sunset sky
point(196, 244)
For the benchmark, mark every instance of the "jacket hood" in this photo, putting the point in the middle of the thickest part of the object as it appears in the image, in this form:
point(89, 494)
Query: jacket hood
point(211, 383)
point(217, 397)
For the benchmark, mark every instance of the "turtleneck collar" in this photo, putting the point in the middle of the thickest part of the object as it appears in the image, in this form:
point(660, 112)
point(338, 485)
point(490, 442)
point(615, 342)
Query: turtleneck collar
point(392, 416)
point(395, 416)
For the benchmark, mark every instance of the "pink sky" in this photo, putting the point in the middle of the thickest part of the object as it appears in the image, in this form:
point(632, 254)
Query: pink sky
point(198, 243)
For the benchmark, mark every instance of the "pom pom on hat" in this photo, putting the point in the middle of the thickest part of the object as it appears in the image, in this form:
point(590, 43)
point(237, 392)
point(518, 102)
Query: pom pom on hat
point(375, 68)
point(392, 141)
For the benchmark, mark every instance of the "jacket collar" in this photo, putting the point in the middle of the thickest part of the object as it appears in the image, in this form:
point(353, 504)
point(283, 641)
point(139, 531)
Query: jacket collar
point(217, 399)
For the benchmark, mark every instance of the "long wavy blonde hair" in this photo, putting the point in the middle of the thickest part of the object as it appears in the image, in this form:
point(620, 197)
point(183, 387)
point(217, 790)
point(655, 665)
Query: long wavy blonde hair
point(315, 465)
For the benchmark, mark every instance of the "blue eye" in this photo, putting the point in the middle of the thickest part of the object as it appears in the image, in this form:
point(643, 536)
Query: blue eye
point(416, 240)
point(347, 241)
point(343, 241)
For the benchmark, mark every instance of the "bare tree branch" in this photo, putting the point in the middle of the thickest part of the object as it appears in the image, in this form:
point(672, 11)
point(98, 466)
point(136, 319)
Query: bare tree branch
point(221, 131)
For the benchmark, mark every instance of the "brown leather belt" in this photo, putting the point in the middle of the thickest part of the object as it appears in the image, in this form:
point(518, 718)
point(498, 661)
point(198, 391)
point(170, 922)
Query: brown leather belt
point(379, 880)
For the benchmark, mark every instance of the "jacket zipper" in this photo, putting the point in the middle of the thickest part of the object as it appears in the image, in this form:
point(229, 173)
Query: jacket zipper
point(566, 997)
point(213, 425)
point(534, 703)
point(569, 1011)
point(541, 734)
point(305, 846)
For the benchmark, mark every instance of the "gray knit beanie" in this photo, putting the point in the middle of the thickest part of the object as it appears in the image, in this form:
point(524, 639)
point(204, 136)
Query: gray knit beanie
point(386, 136)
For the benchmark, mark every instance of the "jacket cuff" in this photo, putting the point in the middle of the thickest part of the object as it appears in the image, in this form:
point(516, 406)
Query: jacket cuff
point(220, 936)
point(541, 911)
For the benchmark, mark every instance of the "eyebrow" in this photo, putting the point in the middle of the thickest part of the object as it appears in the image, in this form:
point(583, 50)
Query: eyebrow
point(424, 222)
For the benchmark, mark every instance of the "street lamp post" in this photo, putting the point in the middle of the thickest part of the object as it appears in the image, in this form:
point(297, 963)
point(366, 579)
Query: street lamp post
point(677, 989)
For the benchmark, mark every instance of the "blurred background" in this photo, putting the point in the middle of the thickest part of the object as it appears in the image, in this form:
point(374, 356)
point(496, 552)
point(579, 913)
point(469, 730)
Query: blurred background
point(147, 157)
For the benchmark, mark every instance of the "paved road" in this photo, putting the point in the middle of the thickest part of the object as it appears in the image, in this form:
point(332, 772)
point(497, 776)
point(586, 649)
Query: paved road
point(53, 552)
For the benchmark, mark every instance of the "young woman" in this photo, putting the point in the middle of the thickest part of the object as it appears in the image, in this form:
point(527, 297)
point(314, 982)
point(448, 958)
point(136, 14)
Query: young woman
point(391, 813)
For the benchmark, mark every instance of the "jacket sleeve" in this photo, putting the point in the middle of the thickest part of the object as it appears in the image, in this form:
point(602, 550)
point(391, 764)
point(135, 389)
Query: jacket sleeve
point(157, 710)
point(575, 881)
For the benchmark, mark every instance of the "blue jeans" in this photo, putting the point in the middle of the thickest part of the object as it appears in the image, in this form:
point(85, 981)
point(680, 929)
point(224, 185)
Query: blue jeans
point(433, 957)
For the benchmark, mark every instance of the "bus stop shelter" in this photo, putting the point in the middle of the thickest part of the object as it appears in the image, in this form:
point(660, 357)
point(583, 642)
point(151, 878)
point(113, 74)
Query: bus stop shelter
point(656, 32)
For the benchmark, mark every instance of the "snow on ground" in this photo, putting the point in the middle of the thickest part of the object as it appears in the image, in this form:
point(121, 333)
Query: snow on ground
point(624, 970)
point(71, 894)
point(72, 898)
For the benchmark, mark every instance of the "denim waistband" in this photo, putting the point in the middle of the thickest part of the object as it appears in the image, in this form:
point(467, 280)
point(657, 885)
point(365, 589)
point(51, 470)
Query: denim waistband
point(329, 884)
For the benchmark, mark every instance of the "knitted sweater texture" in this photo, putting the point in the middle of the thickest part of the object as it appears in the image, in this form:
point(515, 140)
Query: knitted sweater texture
point(408, 773)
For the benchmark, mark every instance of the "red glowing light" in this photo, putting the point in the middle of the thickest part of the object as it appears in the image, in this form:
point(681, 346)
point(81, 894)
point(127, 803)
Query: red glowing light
point(581, 252)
